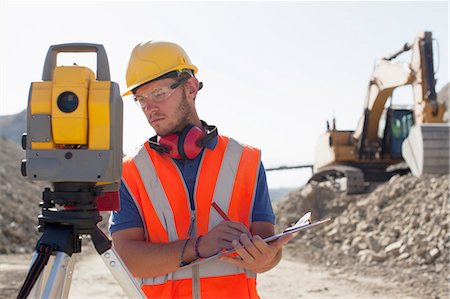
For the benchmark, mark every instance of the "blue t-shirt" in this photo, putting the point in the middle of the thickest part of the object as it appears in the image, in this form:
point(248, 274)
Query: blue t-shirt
point(128, 216)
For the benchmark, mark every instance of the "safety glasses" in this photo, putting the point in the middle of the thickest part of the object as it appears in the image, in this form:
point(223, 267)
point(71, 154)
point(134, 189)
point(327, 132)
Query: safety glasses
point(158, 94)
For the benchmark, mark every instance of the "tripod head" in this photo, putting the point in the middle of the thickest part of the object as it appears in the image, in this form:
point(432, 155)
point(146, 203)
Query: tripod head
point(80, 214)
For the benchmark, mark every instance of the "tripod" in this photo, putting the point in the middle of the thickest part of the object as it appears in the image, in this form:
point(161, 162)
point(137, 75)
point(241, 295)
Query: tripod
point(62, 231)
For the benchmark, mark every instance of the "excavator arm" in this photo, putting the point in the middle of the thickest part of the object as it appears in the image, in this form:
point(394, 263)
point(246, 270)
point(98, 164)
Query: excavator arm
point(426, 107)
point(387, 76)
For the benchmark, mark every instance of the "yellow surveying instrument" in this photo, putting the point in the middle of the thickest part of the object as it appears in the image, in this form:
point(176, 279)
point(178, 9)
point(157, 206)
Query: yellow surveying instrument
point(74, 141)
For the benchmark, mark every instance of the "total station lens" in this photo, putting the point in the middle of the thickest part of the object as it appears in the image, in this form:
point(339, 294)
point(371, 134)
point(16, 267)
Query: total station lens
point(67, 102)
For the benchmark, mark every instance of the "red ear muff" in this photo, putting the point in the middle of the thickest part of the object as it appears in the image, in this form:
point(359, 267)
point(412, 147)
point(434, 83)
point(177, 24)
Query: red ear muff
point(171, 144)
point(185, 145)
point(189, 143)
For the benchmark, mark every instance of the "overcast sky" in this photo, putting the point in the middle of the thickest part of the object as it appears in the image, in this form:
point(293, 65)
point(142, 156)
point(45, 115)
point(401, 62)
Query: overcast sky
point(273, 72)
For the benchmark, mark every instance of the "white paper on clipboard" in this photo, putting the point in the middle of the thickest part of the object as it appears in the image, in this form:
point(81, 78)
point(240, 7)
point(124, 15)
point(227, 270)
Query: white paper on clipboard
point(303, 223)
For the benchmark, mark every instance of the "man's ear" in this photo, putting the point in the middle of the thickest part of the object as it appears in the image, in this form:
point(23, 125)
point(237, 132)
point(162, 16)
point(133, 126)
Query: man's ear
point(192, 86)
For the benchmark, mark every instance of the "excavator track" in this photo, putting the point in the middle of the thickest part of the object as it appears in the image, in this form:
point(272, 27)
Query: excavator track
point(427, 150)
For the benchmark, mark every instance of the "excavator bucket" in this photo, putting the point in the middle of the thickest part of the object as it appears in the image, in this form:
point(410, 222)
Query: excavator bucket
point(426, 150)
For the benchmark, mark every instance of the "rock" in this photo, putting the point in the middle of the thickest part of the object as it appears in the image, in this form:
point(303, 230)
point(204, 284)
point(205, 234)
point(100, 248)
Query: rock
point(356, 240)
point(403, 249)
point(403, 256)
point(372, 243)
point(393, 249)
point(420, 252)
point(344, 220)
point(345, 248)
point(317, 243)
point(393, 179)
point(433, 254)
point(439, 267)
point(356, 247)
point(333, 232)
point(362, 226)
point(379, 257)
point(306, 191)
point(385, 241)
point(365, 255)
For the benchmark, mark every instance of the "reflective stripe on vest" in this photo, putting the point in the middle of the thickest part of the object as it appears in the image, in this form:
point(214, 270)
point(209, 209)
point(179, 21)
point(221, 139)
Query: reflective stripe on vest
point(227, 175)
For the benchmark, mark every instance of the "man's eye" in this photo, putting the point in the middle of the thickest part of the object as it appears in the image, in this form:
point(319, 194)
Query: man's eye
point(159, 94)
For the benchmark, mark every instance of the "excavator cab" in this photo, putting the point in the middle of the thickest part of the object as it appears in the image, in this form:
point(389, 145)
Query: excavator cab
point(398, 123)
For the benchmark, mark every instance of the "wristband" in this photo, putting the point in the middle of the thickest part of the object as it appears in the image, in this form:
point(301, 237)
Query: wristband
point(183, 263)
point(197, 253)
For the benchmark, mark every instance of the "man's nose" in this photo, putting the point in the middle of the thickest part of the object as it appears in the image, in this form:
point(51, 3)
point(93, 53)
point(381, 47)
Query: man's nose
point(150, 106)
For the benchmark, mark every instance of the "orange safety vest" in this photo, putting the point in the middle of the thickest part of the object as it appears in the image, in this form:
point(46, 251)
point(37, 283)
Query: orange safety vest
point(228, 176)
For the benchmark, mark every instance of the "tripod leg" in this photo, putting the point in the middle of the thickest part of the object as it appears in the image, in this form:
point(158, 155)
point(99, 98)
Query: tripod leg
point(36, 291)
point(37, 273)
point(55, 279)
point(68, 279)
point(129, 284)
point(59, 279)
point(117, 268)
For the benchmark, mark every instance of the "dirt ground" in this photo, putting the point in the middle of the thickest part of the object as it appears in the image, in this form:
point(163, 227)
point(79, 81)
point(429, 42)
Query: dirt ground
point(292, 278)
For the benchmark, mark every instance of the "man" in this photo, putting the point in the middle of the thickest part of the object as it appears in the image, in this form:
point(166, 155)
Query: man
point(189, 192)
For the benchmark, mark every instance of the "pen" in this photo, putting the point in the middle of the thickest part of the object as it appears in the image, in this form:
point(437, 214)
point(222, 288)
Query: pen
point(221, 213)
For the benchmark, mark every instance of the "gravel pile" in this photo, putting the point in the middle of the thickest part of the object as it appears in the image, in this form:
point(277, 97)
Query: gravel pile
point(399, 230)
point(19, 201)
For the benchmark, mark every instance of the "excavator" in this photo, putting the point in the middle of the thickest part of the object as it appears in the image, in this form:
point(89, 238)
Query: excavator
point(391, 139)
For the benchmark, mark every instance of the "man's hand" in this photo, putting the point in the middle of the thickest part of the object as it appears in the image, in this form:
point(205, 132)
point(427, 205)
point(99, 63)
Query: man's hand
point(255, 254)
point(221, 237)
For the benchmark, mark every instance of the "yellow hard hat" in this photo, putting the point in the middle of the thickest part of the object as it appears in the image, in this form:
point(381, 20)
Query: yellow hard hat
point(153, 59)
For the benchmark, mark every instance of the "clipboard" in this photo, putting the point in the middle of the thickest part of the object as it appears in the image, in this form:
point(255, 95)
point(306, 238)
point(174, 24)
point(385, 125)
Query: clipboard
point(302, 224)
